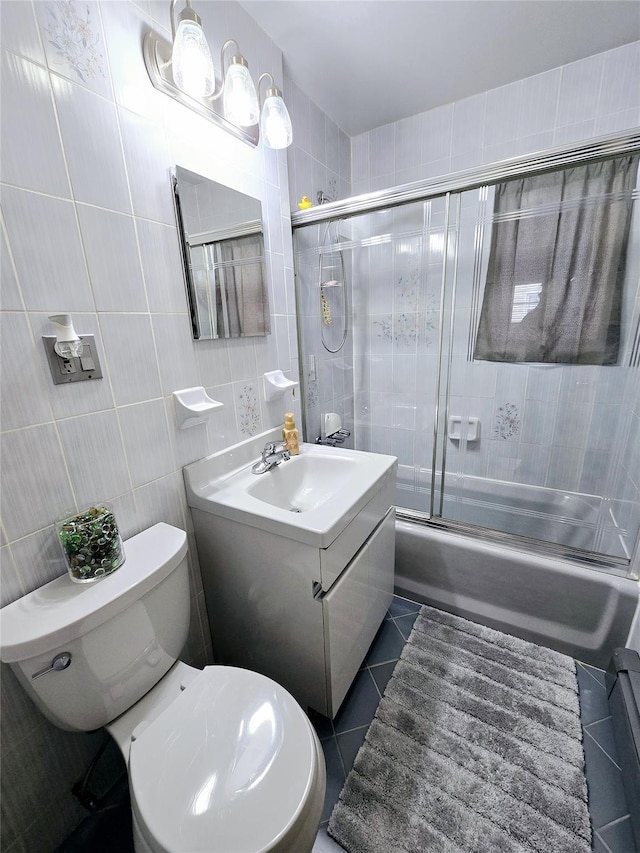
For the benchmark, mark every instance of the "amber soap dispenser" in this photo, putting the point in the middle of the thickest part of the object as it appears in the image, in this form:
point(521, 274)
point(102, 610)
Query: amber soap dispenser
point(290, 434)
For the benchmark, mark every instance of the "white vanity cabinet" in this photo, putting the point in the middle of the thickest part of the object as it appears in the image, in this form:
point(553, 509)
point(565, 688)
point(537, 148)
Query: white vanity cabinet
point(301, 614)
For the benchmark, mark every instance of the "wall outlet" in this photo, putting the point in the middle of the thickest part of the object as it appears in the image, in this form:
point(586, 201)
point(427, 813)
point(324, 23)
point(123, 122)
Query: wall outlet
point(64, 370)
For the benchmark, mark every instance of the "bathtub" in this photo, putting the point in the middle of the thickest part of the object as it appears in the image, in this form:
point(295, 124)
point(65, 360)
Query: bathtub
point(576, 610)
point(576, 520)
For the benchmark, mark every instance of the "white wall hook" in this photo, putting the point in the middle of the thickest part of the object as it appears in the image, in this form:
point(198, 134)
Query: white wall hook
point(275, 384)
point(193, 406)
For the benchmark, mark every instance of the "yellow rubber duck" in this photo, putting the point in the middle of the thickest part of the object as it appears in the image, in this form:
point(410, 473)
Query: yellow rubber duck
point(304, 203)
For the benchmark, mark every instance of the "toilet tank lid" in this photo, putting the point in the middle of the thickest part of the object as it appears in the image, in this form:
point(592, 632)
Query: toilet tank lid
point(62, 611)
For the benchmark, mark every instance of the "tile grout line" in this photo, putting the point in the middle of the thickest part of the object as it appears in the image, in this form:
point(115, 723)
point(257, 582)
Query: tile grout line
point(615, 763)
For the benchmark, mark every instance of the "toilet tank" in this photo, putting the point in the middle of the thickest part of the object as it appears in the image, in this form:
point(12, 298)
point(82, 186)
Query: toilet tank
point(123, 632)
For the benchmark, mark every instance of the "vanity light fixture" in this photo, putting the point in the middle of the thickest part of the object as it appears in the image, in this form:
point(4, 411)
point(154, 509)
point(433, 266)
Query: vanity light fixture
point(184, 70)
point(275, 123)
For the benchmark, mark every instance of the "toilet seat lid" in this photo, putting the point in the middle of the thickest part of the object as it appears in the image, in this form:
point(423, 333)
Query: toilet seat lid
point(226, 767)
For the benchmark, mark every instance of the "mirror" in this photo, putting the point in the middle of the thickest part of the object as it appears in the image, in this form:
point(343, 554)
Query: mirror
point(222, 245)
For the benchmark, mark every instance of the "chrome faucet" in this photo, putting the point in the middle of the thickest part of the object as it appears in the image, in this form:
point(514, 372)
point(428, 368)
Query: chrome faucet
point(335, 438)
point(273, 453)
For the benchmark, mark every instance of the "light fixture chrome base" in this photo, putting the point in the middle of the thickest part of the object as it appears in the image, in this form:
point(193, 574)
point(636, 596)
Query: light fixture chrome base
point(157, 58)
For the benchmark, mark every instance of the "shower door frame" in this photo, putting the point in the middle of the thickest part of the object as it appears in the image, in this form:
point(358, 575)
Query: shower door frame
point(601, 148)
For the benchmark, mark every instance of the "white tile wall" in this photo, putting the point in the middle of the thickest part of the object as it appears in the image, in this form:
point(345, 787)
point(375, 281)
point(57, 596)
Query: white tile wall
point(88, 228)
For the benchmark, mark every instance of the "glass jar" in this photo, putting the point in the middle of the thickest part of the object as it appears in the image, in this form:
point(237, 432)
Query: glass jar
point(91, 544)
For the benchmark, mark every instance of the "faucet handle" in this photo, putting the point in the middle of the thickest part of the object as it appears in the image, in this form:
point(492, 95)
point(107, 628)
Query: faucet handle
point(272, 447)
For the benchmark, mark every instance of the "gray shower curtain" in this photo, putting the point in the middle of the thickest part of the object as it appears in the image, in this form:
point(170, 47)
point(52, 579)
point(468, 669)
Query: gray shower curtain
point(241, 295)
point(556, 266)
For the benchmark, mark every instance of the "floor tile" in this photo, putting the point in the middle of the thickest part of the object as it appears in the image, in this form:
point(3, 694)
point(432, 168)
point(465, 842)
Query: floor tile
point(607, 800)
point(349, 744)
point(359, 705)
point(597, 845)
point(401, 606)
point(321, 724)
point(596, 673)
point(404, 624)
point(593, 698)
point(602, 733)
point(381, 673)
point(388, 644)
point(619, 836)
point(325, 844)
point(335, 775)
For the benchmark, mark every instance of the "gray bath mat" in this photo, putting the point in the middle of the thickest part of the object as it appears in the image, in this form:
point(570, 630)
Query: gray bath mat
point(476, 746)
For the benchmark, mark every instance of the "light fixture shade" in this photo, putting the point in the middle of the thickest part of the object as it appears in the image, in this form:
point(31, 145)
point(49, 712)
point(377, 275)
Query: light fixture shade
point(193, 70)
point(240, 99)
point(275, 124)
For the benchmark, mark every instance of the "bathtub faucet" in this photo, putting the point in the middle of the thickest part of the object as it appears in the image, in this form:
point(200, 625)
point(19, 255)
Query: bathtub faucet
point(338, 437)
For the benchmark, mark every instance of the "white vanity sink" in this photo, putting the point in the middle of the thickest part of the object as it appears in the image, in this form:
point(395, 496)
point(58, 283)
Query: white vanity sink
point(310, 498)
point(297, 563)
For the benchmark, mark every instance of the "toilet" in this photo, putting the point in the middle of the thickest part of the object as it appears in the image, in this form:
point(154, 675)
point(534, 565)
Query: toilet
point(220, 760)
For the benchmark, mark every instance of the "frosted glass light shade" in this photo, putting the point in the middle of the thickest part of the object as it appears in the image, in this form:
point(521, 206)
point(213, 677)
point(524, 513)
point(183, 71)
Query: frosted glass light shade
point(275, 124)
point(240, 99)
point(193, 70)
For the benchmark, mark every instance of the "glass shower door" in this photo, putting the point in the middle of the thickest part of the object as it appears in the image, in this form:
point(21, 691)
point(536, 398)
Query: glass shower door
point(546, 451)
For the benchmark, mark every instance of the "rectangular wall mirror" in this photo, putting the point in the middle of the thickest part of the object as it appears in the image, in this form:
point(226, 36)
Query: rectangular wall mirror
point(222, 246)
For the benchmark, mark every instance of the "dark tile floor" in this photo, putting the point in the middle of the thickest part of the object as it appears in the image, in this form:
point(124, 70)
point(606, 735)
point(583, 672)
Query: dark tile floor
point(342, 738)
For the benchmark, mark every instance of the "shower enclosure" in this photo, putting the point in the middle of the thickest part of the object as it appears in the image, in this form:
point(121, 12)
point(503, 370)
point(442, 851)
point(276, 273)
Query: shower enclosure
point(393, 288)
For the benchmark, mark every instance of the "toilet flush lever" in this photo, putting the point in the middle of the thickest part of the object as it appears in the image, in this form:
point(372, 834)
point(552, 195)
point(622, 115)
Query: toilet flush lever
point(60, 662)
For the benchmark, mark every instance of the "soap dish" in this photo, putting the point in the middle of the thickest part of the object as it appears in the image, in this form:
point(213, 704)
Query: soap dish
point(275, 384)
point(193, 406)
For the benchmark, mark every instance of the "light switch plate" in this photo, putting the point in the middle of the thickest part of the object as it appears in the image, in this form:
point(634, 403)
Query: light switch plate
point(65, 370)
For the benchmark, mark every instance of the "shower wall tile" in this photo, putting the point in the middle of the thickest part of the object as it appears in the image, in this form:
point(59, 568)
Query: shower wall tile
point(19, 32)
point(620, 80)
point(45, 275)
point(116, 277)
point(149, 164)
point(38, 558)
point(568, 133)
point(74, 44)
point(565, 468)
point(35, 483)
point(596, 469)
point(614, 122)
point(27, 108)
point(176, 352)
point(437, 127)
point(124, 27)
point(128, 341)
point(91, 139)
point(10, 299)
point(468, 125)
point(94, 451)
point(580, 90)
point(539, 103)
point(21, 368)
point(146, 441)
point(502, 114)
point(10, 581)
point(162, 267)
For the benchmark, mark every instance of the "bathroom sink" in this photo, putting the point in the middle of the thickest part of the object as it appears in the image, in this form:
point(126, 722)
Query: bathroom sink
point(311, 497)
point(313, 478)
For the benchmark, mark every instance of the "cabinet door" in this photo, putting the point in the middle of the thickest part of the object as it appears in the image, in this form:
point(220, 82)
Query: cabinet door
point(354, 608)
